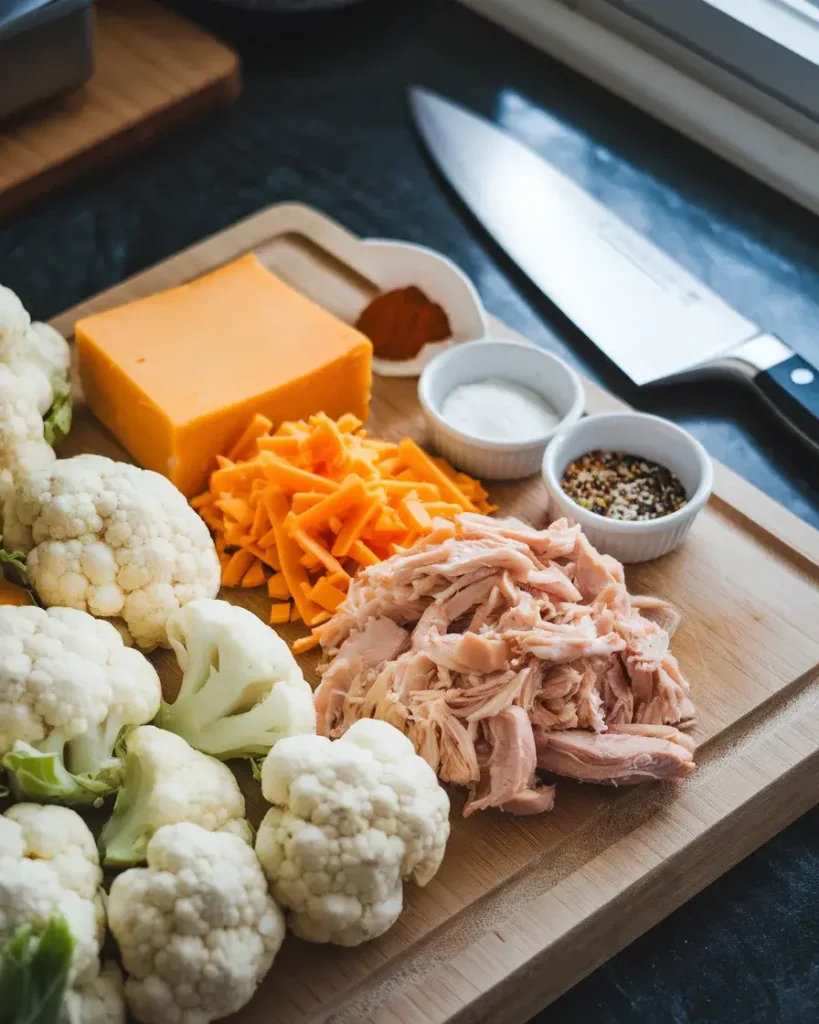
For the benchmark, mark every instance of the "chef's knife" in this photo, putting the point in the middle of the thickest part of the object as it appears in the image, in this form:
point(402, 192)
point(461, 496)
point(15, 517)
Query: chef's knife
point(646, 312)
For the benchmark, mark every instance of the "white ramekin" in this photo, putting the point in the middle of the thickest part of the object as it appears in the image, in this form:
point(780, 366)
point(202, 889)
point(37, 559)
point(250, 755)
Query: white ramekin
point(486, 457)
point(636, 434)
point(392, 264)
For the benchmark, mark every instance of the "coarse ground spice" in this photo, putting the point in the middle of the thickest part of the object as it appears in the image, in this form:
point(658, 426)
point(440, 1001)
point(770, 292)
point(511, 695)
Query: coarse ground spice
point(621, 486)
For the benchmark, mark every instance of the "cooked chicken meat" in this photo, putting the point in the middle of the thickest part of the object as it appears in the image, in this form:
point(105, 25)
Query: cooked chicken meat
point(614, 757)
point(503, 651)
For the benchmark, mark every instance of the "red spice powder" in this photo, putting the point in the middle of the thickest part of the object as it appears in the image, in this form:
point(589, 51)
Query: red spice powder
point(400, 322)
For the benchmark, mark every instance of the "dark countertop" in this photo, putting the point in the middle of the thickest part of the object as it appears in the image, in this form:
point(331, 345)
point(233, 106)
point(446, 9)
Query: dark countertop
point(323, 120)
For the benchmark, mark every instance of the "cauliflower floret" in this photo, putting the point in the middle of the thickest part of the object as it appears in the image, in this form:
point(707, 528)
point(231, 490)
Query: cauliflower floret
point(100, 1002)
point(30, 893)
point(60, 837)
point(35, 393)
point(34, 885)
point(22, 439)
point(197, 929)
point(242, 689)
point(68, 688)
point(114, 540)
point(24, 344)
point(23, 391)
point(166, 782)
point(47, 349)
point(351, 819)
point(14, 322)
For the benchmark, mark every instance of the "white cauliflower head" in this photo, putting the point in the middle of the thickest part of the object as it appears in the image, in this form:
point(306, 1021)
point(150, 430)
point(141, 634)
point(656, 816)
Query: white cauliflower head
point(351, 819)
point(113, 540)
point(197, 929)
point(165, 782)
point(242, 689)
point(68, 688)
point(49, 865)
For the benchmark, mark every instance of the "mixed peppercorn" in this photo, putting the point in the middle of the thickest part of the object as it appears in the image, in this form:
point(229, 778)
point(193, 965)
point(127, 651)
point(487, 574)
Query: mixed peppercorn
point(621, 486)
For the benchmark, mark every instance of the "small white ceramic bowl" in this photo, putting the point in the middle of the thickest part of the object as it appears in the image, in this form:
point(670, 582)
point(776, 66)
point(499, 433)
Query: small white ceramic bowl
point(636, 434)
point(391, 264)
point(518, 362)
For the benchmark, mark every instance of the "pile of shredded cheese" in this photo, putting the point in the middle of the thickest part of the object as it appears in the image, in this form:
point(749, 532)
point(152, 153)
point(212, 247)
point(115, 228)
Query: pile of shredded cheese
point(301, 509)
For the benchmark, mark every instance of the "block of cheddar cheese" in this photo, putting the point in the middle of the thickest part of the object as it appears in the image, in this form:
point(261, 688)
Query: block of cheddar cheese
point(176, 376)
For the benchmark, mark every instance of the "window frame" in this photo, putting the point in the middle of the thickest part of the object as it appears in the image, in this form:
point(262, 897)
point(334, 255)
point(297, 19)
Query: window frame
point(732, 35)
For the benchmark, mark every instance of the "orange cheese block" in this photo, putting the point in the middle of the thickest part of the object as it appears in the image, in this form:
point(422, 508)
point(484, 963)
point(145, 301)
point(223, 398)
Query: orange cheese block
point(176, 376)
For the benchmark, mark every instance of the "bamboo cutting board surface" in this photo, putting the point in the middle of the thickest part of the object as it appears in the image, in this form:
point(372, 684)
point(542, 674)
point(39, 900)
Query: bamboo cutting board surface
point(522, 908)
point(153, 71)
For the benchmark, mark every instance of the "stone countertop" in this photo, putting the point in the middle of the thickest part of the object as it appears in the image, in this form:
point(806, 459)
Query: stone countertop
point(323, 120)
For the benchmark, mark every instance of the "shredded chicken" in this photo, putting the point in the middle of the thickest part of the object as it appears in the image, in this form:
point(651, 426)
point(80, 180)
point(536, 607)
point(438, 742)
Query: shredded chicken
point(614, 757)
point(503, 651)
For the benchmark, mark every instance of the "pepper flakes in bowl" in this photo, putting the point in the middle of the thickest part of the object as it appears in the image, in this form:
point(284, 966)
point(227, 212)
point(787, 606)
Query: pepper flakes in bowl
point(625, 487)
point(634, 482)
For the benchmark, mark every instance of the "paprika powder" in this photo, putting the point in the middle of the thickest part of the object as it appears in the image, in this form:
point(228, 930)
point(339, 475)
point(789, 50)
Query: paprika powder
point(400, 322)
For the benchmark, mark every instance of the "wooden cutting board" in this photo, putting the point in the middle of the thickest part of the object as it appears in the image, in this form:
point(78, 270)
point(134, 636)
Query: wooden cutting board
point(153, 71)
point(522, 908)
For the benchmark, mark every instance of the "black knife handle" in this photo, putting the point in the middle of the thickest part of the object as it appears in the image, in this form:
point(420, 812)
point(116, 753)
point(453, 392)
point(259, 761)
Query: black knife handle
point(792, 387)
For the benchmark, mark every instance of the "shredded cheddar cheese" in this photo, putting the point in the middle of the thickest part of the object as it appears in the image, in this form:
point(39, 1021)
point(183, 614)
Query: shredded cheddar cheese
point(301, 509)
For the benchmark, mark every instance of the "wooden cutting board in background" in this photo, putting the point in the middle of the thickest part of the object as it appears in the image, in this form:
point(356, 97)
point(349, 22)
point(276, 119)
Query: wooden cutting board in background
point(153, 71)
point(522, 908)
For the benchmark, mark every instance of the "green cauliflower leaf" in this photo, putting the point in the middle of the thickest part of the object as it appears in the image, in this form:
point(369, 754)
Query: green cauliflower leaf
point(13, 568)
point(34, 970)
point(43, 778)
point(57, 421)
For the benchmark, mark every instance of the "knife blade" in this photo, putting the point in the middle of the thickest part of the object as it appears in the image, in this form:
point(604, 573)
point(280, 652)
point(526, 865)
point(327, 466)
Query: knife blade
point(648, 314)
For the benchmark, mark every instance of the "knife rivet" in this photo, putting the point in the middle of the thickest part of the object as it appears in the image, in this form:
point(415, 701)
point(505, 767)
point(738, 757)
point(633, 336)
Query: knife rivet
point(802, 376)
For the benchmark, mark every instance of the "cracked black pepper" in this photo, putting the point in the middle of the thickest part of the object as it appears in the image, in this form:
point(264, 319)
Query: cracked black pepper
point(621, 486)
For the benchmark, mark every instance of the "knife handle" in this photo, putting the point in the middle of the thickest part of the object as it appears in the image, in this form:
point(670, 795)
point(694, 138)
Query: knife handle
point(792, 387)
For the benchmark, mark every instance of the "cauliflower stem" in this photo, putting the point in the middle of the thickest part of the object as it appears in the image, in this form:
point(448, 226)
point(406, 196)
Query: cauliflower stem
point(165, 782)
point(69, 689)
point(124, 839)
point(227, 722)
point(94, 770)
point(242, 690)
point(42, 776)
